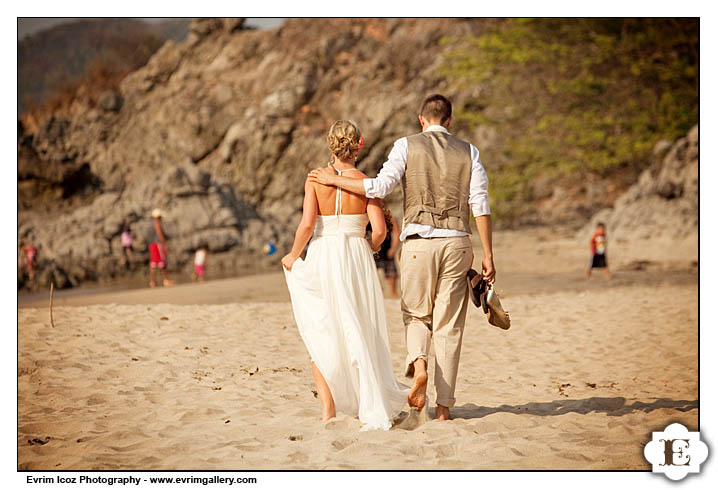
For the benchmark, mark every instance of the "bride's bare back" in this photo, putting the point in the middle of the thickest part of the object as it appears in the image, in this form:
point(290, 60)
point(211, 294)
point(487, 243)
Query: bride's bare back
point(351, 203)
point(322, 200)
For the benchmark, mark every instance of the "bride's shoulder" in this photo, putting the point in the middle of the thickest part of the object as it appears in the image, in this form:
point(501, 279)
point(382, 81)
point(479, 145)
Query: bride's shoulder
point(357, 174)
point(310, 186)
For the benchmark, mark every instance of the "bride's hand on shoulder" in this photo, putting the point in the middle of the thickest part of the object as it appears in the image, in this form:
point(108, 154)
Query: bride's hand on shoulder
point(288, 261)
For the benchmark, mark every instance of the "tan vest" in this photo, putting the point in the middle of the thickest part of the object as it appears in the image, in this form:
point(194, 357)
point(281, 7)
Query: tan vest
point(436, 182)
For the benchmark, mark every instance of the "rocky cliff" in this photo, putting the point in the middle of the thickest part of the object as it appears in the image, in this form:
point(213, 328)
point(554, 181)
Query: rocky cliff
point(220, 130)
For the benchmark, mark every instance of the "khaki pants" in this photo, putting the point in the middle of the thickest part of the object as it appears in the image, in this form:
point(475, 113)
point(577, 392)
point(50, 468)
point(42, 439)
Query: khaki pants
point(434, 300)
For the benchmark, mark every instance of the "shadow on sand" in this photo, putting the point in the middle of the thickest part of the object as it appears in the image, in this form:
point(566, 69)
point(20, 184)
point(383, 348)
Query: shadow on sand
point(614, 407)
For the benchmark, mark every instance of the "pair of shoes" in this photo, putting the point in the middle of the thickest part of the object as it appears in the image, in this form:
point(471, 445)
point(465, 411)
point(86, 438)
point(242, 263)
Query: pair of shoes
point(497, 315)
point(477, 289)
point(484, 296)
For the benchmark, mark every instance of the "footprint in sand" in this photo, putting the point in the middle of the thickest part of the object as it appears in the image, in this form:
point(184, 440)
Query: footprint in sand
point(250, 448)
point(306, 413)
point(298, 457)
point(149, 462)
point(129, 447)
point(340, 444)
point(416, 451)
point(81, 366)
point(414, 419)
point(446, 450)
point(192, 416)
point(574, 456)
point(341, 422)
point(96, 400)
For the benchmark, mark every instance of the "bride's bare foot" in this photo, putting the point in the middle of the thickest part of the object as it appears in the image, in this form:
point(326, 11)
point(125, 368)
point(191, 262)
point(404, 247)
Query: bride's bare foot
point(442, 412)
point(329, 410)
point(417, 395)
point(328, 414)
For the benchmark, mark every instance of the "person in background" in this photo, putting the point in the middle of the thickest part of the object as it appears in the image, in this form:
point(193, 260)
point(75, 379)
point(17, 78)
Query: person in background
point(598, 251)
point(158, 250)
point(385, 257)
point(30, 254)
point(200, 262)
point(126, 239)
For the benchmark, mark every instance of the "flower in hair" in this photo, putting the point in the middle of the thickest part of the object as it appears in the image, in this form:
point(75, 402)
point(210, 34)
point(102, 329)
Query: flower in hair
point(361, 142)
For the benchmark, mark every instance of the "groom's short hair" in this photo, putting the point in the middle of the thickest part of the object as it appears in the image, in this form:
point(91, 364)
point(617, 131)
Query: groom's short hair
point(436, 107)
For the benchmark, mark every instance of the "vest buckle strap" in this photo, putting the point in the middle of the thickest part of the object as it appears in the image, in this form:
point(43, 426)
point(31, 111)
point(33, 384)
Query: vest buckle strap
point(440, 213)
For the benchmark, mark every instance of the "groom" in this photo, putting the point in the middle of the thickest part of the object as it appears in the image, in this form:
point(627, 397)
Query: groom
point(442, 178)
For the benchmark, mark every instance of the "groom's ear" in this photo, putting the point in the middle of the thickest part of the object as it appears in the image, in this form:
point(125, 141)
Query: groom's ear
point(448, 123)
point(422, 122)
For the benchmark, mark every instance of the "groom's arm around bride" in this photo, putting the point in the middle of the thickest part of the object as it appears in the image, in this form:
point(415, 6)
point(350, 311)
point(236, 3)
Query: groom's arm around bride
point(393, 172)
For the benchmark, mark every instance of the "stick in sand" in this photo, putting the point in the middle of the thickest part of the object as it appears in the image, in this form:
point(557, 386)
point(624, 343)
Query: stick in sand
point(52, 294)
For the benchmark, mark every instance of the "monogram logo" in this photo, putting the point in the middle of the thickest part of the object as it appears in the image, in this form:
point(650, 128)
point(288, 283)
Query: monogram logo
point(676, 452)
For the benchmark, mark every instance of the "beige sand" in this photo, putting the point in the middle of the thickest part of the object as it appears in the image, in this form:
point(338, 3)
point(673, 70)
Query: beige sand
point(587, 371)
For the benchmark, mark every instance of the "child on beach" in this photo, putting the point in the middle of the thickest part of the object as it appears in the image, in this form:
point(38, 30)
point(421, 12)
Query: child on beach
point(598, 251)
point(200, 262)
point(30, 253)
point(126, 239)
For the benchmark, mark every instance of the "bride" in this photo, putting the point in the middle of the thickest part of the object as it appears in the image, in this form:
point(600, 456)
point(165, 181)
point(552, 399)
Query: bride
point(336, 295)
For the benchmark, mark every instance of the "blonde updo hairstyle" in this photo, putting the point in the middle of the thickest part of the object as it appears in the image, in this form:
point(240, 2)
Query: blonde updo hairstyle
point(343, 140)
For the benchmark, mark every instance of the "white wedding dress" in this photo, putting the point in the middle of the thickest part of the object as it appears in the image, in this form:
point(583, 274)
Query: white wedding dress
point(339, 309)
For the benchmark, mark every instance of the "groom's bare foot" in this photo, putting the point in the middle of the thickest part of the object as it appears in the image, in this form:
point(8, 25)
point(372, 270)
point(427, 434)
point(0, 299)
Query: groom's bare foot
point(442, 412)
point(417, 395)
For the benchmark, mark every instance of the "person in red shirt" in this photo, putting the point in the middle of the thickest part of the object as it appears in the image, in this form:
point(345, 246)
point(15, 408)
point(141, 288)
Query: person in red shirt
point(158, 250)
point(30, 254)
point(598, 252)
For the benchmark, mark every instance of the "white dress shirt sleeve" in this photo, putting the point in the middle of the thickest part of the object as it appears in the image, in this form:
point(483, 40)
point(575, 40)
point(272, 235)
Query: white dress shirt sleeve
point(391, 172)
point(479, 186)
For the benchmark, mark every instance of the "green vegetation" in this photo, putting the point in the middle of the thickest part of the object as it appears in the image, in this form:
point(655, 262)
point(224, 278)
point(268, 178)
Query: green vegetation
point(569, 97)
